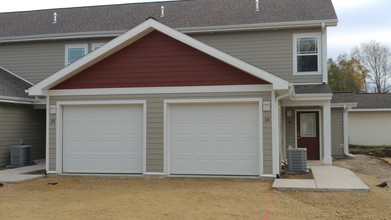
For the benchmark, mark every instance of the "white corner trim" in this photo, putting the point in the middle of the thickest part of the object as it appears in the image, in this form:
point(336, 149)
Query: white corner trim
point(166, 134)
point(139, 32)
point(59, 125)
point(162, 90)
point(47, 134)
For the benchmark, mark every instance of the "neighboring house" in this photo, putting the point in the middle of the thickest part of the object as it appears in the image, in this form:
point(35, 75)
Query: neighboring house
point(19, 121)
point(370, 121)
point(203, 87)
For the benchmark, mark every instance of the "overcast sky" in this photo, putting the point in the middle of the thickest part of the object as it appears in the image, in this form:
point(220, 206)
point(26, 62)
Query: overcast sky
point(359, 20)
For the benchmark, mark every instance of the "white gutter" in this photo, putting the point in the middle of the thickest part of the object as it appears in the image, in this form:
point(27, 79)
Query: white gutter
point(185, 30)
point(260, 26)
point(371, 110)
point(15, 102)
point(324, 54)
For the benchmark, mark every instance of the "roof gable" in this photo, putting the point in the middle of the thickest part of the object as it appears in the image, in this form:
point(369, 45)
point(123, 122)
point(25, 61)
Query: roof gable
point(197, 14)
point(134, 35)
point(157, 60)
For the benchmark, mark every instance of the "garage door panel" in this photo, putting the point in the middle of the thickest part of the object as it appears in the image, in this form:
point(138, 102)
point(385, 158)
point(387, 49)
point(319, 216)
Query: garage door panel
point(219, 139)
point(103, 139)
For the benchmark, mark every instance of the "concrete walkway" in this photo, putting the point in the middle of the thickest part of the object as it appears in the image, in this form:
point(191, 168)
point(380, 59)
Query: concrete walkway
point(326, 179)
point(19, 175)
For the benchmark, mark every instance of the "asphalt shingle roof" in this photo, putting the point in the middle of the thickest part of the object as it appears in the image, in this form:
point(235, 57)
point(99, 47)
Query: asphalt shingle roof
point(364, 100)
point(312, 89)
point(12, 86)
point(178, 14)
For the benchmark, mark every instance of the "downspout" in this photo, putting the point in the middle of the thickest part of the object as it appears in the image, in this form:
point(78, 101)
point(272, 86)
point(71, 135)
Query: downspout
point(324, 54)
point(276, 165)
point(346, 132)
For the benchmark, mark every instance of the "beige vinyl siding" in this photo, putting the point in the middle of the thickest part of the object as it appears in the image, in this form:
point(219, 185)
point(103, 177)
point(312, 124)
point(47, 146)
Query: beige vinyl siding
point(35, 61)
point(155, 126)
point(337, 132)
point(370, 128)
point(271, 51)
point(21, 122)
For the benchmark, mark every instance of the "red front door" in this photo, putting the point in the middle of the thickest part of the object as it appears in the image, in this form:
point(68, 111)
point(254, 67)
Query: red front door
point(308, 133)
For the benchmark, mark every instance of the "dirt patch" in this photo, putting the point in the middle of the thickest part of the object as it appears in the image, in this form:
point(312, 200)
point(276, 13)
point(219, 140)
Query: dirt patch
point(368, 165)
point(286, 175)
point(377, 152)
point(179, 198)
point(387, 159)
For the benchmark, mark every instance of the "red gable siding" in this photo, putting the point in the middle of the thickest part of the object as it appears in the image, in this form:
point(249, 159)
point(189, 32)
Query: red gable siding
point(158, 60)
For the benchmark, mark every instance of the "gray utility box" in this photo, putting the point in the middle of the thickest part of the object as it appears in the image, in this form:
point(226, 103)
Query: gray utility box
point(21, 155)
point(297, 160)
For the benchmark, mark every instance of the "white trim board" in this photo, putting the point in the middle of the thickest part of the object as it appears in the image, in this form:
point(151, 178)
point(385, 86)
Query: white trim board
point(59, 125)
point(186, 30)
point(161, 90)
point(139, 32)
point(166, 144)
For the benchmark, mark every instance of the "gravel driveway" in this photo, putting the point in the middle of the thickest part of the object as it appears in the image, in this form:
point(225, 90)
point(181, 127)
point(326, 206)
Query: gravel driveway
point(178, 198)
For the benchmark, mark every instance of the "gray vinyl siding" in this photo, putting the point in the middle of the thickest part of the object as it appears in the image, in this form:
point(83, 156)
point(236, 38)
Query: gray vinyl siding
point(271, 51)
point(21, 122)
point(337, 132)
point(35, 61)
point(155, 125)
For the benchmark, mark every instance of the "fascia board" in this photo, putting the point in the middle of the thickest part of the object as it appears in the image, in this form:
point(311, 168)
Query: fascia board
point(185, 30)
point(134, 35)
point(261, 26)
point(320, 96)
point(371, 110)
point(343, 105)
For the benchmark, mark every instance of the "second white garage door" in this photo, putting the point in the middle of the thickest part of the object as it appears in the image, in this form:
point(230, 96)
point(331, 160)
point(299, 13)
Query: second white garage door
point(103, 139)
point(214, 139)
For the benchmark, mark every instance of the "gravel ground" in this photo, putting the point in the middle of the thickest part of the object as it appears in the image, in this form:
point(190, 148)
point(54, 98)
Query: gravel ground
point(179, 198)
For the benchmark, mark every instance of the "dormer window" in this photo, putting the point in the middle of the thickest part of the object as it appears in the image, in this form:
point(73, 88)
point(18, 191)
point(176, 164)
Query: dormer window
point(306, 54)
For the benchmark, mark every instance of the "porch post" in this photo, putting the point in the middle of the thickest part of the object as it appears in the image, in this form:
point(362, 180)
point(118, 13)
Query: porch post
point(327, 159)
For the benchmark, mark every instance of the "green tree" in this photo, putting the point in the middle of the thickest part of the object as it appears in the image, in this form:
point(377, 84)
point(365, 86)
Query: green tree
point(346, 75)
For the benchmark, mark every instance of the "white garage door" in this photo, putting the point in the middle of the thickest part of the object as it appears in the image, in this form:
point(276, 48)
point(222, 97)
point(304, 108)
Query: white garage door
point(216, 139)
point(370, 128)
point(103, 139)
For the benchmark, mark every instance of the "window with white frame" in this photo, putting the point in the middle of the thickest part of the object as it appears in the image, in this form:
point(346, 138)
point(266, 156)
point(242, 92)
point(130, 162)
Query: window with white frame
point(306, 54)
point(74, 52)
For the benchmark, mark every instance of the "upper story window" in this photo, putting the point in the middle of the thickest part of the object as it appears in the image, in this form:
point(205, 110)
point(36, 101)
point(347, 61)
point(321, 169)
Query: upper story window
point(95, 46)
point(306, 54)
point(74, 52)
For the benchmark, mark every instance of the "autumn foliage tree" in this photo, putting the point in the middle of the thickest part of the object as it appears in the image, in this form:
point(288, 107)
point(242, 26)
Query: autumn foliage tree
point(346, 75)
point(376, 58)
